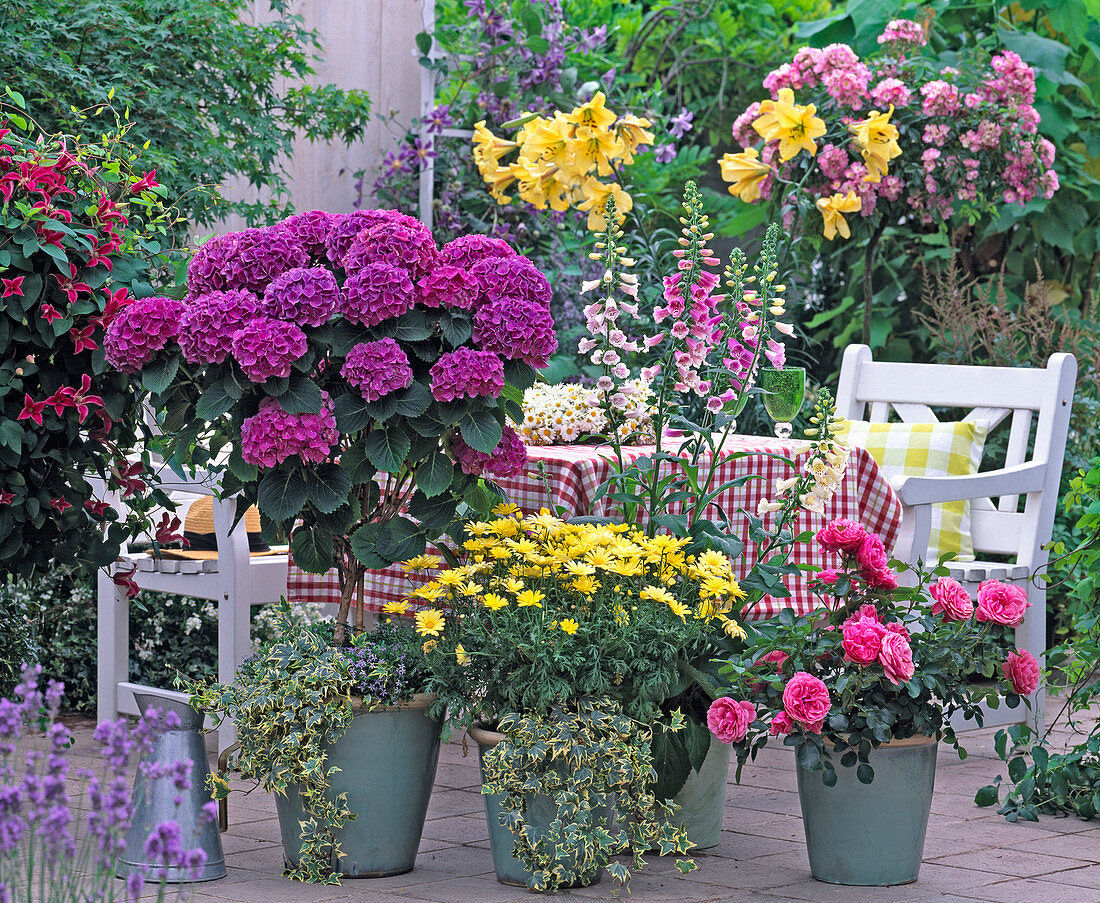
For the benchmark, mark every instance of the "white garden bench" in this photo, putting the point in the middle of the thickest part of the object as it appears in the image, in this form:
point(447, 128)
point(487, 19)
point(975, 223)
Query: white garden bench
point(1038, 402)
point(234, 581)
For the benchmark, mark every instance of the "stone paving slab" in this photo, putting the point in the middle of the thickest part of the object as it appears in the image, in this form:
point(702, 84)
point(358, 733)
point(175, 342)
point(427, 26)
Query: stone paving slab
point(971, 856)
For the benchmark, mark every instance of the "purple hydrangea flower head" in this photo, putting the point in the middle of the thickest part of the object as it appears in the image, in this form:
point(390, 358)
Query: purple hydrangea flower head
point(260, 256)
point(267, 347)
point(141, 330)
point(206, 270)
point(376, 293)
point(396, 244)
point(272, 435)
point(302, 295)
point(377, 368)
point(310, 230)
point(346, 226)
point(508, 459)
point(466, 250)
point(465, 373)
point(513, 277)
point(210, 321)
point(449, 286)
point(516, 328)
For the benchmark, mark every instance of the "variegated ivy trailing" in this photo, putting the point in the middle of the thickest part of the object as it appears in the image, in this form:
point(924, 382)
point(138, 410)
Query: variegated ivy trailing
point(361, 377)
point(596, 764)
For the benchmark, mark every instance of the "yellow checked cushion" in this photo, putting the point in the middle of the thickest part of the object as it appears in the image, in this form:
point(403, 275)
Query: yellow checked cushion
point(929, 450)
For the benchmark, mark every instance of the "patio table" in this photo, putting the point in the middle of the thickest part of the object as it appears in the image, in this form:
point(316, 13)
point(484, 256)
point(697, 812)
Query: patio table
point(571, 474)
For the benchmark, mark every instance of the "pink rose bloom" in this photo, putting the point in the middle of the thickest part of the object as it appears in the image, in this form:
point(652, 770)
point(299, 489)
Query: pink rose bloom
point(781, 724)
point(777, 657)
point(1002, 603)
point(897, 627)
point(827, 576)
point(842, 535)
point(806, 700)
point(1022, 671)
point(952, 600)
point(896, 658)
point(871, 555)
point(729, 719)
point(866, 610)
point(881, 579)
point(862, 640)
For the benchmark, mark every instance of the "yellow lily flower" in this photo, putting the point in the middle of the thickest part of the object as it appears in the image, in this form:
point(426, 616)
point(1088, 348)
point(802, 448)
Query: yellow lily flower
point(633, 132)
point(746, 172)
point(794, 126)
point(593, 113)
point(596, 194)
point(831, 209)
point(488, 148)
point(877, 140)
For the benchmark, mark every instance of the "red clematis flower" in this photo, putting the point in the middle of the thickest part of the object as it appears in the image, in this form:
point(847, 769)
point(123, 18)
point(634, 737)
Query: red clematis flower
point(32, 409)
point(51, 313)
point(82, 338)
point(167, 530)
point(147, 180)
point(70, 286)
point(82, 401)
point(6, 498)
point(60, 505)
point(123, 581)
point(13, 286)
point(115, 302)
point(126, 477)
point(97, 508)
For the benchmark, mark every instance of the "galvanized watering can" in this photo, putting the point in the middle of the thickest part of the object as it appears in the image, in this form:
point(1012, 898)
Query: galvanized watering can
point(155, 800)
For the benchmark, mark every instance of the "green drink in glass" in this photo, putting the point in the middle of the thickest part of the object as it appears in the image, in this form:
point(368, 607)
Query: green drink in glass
point(783, 393)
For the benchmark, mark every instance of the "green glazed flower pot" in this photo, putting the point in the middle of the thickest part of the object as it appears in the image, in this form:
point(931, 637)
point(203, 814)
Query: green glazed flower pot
point(386, 761)
point(702, 799)
point(871, 834)
point(540, 812)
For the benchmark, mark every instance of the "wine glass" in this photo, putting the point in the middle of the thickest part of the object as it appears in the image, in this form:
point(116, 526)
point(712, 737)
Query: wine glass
point(783, 393)
point(733, 409)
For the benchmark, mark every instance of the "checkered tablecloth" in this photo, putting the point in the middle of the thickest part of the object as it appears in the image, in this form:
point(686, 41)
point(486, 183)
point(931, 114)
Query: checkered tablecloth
point(573, 473)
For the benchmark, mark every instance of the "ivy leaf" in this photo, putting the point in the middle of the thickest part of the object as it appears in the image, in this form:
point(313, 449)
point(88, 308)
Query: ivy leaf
point(400, 539)
point(481, 431)
point(435, 474)
point(311, 548)
point(281, 494)
point(387, 447)
point(327, 487)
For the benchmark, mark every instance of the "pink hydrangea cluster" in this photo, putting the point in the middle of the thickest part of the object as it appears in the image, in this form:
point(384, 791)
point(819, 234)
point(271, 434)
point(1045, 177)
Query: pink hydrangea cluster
point(210, 321)
point(265, 347)
point(259, 256)
point(396, 244)
point(507, 459)
point(310, 230)
point(344, 227)
point(140, 330)
point(377, 368)
point(466, 250)
point(376, 293)
point(466, 373)
point(207, 268)
point(449, 285)
point(516, 328)
point(272, 435)
point(515, 278)
point(302, 295)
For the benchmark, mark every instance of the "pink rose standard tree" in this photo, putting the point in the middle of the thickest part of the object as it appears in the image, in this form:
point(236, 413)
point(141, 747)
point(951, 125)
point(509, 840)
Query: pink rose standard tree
point(874, 662)
point(360, 377)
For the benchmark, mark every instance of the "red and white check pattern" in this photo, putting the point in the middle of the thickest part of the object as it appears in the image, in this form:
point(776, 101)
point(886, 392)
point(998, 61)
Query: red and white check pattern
point(573, 473)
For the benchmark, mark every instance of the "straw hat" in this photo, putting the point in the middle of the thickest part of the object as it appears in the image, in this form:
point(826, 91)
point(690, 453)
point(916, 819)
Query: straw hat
point(198, 530)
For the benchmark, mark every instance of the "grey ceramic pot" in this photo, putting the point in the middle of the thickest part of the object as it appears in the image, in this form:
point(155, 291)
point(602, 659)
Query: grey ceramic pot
point(871, 834)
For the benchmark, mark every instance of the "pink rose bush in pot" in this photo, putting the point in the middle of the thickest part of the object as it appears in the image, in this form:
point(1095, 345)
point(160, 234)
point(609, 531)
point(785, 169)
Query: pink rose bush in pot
point(876, 662)
point(361, 378)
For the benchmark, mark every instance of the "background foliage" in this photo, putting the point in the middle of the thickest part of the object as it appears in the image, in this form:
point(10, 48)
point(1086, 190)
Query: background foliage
point(214, 94)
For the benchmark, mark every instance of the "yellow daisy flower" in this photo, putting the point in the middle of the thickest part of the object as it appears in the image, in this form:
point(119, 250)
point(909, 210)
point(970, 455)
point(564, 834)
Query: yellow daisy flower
point(585, 585)
point(430, 622)
point(530, 598)
point(569, 626)
point(679, 609)
point(429, 592)
point(422, 563)
point(493, 602)
point(506, 509)
point(395, 608)
point(657, 594)
point(512, 584)
point(460, 654)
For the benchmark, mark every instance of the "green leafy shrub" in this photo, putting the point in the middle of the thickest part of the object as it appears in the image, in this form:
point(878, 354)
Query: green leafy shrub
point(80, 230)
point(216, 93)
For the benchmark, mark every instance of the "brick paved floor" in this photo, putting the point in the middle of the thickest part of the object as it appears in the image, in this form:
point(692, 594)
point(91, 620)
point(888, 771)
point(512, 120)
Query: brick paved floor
point(971, 854)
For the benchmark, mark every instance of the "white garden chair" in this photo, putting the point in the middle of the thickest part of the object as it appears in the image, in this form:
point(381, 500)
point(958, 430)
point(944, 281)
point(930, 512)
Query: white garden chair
point(234, 581)
point(1032, 469)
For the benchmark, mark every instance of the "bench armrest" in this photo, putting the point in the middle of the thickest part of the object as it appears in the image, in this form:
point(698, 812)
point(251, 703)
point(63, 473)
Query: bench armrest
point(1016, 480)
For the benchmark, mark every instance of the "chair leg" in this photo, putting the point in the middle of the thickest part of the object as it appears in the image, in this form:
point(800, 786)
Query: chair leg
point(113, 645)
point(234, 646)
point(1032, 636)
